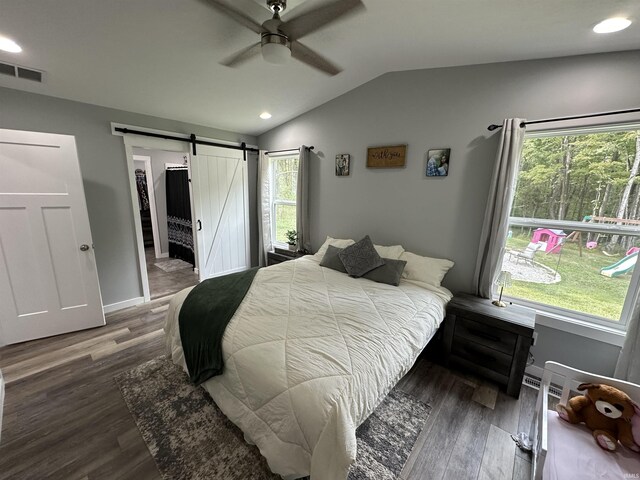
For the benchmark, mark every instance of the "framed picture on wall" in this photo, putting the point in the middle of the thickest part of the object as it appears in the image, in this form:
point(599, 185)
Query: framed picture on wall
point(437, 162)
point(343, 161)
point(386, 157)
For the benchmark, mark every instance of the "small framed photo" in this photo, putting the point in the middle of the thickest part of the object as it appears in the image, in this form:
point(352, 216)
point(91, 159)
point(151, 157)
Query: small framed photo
point(343, 161)
point(437, 162)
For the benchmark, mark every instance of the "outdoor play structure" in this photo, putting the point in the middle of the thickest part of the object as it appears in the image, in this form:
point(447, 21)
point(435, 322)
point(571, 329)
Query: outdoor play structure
point(623, 266)
point(553, 239)
point(576, 236)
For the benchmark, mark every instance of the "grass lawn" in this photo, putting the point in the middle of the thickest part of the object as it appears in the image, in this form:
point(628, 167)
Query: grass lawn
point(582, 288)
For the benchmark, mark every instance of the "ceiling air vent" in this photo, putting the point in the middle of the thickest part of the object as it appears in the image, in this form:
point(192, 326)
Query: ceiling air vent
point(21, 72)
point(29, 74)
point(7, 69)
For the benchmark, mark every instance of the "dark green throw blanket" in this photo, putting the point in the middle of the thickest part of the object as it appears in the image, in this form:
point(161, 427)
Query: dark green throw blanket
point(203, 319)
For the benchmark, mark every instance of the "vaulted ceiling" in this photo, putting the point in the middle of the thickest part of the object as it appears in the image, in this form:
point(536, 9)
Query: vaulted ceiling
point(160, 57)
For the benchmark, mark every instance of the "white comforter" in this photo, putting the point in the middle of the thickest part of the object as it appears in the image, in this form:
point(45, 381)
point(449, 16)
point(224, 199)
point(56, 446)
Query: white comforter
point(309, 354)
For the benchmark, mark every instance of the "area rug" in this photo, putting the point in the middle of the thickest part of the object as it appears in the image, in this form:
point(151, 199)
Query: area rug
point(173, 265)
point(190, 438)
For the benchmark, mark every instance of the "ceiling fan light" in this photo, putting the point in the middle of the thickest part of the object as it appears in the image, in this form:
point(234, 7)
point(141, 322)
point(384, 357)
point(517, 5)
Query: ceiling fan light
point(276, 48)
point(611, 25)
point(8, 45)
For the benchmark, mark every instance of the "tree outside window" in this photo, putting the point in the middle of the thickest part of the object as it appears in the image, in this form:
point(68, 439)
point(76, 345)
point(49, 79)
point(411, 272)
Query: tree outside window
point(284, 170)
point(575, 221)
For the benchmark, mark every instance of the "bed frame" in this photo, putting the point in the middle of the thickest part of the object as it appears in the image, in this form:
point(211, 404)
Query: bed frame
point(569, 378)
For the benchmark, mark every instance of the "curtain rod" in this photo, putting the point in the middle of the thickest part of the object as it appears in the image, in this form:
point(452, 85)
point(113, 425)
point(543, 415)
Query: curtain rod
point(493, 127)
point(288, 150)
point(192, 140)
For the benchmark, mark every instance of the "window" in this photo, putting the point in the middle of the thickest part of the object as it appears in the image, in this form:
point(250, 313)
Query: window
point(574, 233)
point(284, 178)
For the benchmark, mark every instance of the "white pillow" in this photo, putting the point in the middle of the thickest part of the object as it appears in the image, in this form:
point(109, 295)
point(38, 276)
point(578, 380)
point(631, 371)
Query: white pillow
point(336, 242)
point(425, 269)
point(392, 251)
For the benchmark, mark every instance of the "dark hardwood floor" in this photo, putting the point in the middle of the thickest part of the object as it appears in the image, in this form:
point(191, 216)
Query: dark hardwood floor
point(163, 283)
point(65, 417)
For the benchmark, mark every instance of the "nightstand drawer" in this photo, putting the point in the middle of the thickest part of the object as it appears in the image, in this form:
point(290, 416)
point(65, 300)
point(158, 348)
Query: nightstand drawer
point(477, 332)
point(483, 356)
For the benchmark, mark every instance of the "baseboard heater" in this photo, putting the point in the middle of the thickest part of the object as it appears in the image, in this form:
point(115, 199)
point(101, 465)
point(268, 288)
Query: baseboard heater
point(534, 382)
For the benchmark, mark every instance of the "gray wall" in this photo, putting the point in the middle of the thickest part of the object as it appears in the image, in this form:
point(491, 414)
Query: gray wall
point(104, 172)
point(158, 160)
point(447, 107)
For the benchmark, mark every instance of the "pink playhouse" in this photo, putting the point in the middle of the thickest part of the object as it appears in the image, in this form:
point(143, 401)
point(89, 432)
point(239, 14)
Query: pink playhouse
point(552, 238)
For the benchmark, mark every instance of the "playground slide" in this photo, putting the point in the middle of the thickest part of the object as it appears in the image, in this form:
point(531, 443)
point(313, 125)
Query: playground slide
point(621, 267)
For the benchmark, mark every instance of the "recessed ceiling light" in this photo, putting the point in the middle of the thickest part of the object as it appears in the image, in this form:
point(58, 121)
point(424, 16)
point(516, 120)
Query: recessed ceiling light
point(611, 25)
point(265, 115)
point(8, 45)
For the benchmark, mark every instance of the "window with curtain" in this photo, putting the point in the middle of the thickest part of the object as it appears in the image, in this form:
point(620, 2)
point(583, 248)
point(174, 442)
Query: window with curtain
point(574, 228)
point(284, 175)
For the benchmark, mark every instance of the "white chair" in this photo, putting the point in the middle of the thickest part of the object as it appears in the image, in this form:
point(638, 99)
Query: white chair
point(570, 378)
point(528, 253)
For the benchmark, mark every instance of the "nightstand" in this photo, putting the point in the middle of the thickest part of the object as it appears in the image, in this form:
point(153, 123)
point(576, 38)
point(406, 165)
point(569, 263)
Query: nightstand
point(491, 341)
point(280, 255)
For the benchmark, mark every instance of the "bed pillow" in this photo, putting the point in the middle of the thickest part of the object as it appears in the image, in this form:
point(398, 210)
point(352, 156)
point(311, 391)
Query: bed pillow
point(389, 273)
point(336, 242)
point(425, 269)
point(360, 258)
point(332, 260)
point(391, 251)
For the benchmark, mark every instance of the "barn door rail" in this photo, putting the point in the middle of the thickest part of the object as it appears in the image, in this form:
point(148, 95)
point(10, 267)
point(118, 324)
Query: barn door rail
point(193, 140)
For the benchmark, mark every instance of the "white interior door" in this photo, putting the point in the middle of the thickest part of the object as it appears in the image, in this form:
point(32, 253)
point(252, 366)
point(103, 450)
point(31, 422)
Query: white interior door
point(48, 277)
point(220, 189)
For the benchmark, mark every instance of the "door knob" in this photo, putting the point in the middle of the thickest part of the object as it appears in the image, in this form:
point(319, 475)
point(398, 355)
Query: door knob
point(84, 247)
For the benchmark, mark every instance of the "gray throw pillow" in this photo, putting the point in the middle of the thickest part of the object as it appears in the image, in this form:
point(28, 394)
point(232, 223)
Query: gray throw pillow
point(389, 273)
point(360, 258)
point(332, 260)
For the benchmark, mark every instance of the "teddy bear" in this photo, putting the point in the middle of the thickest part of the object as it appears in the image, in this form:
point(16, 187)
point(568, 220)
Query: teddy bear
point(608, 412)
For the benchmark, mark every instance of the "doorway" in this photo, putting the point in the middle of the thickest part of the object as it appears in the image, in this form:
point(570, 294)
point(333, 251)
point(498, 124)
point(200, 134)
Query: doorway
point(213, 222)
point(165, 213)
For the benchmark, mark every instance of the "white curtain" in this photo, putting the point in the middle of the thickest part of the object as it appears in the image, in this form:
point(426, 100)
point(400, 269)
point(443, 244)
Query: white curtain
point(302, 200)
point(628, 367)
point(496, 217)
point(264, 208)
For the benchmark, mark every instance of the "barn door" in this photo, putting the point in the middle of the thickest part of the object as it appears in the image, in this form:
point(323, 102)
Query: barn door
point(220, 189)
point(48, 277)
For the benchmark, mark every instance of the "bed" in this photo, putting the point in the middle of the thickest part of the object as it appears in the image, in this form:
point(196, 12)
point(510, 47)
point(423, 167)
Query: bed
point(309, 354)
point(563, 451)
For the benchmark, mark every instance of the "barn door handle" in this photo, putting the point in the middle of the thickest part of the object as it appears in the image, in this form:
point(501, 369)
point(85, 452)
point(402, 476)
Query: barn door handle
point(199, 225)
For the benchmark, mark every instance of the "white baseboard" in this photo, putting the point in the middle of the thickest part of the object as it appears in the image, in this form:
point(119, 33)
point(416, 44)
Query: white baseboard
point(121, 305)
point(1, 400)
point(163, 255)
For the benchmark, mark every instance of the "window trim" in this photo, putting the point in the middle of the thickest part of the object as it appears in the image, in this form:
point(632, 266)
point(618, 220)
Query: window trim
point(559, 314)
point(273, 202)
point(571, 324)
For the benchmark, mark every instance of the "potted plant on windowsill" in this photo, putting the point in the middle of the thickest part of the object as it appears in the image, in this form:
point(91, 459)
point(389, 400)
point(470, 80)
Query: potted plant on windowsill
point(292, 239)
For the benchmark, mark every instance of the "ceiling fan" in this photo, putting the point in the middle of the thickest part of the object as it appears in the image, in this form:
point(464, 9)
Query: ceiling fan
point(279, 39)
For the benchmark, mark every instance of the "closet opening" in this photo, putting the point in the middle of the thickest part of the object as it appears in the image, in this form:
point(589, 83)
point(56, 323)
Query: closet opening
point(200, 227)
point(166, 218)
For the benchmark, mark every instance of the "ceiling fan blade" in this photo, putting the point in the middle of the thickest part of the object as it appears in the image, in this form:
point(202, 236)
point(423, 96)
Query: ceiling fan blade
point(318, 18)
point(313, 59)
point(237, 15)
point(242, 56)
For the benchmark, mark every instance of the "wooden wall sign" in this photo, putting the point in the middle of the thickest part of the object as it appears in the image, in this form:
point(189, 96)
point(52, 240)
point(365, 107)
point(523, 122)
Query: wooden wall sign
point(386, 157)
